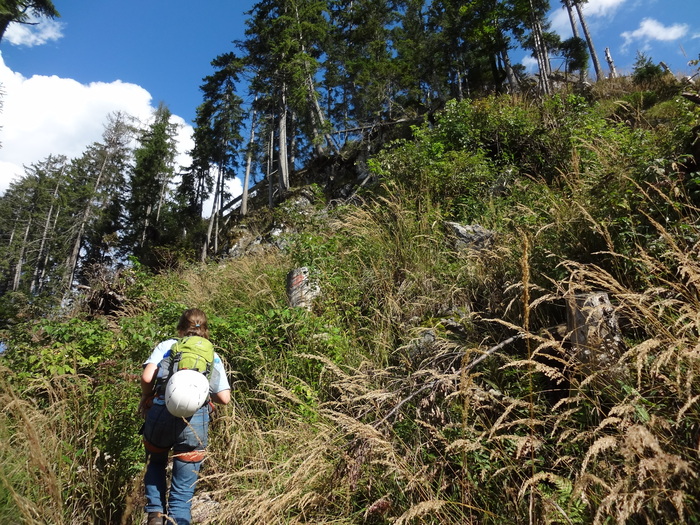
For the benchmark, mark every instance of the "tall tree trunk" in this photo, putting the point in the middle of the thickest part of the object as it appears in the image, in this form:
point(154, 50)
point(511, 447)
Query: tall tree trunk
point(594, 57)
point(72, 262)
point(611, 64)
point(322, 121)
point(292, 147)
point(20, 257)
point(161, 197)
point(39, 268)
point(317, 116)
point(270, 153)
point(510, 74)
point(200, 191)
point(541, 51)
point(495, 73)
point(6, 282)
point(542, 58)
point(146, 224)
point(574, 30)
point(458, 81)
point(45, 262)
point(248, 164)
point(217, 215)
point(212, 218)
point(572, 18)
point(282, 158)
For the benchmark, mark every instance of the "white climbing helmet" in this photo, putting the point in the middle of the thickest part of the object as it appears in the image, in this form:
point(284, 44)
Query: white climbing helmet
point(186, 392)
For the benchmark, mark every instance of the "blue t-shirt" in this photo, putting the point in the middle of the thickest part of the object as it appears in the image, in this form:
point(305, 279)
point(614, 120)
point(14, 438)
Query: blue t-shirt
point(217, 382)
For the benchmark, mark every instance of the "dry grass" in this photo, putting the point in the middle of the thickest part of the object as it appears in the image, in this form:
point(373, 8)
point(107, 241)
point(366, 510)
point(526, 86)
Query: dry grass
point(251, 282)
point(412, 429)
point(267, 475)
point(429, 438)
point(55, 469)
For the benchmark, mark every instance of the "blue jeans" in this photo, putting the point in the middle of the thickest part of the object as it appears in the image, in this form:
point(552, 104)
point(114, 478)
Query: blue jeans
point(163, 432)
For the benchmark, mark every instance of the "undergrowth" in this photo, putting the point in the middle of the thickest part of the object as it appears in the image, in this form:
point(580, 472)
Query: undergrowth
point(429, 383)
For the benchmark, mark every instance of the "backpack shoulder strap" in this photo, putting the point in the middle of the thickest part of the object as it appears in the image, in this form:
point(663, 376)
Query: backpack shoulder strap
point(173, 359)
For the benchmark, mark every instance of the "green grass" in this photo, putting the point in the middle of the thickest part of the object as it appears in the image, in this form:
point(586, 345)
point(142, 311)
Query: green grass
point(370, 407)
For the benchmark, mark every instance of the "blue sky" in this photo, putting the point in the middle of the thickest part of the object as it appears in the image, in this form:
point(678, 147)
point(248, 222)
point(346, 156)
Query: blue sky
point(163, 46)
point(61, 78)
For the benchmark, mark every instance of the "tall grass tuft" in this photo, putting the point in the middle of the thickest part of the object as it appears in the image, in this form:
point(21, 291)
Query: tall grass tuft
point(58, 464)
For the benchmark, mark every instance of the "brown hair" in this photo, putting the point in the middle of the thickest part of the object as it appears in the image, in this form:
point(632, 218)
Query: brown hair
point(193, 322)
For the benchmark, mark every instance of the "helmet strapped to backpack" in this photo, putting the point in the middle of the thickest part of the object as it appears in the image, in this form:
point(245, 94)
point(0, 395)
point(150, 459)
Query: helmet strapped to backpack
point(193, 358)
point(186, 392)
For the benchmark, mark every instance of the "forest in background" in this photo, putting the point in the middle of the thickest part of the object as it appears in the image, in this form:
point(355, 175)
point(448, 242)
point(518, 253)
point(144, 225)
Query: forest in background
point(309, 83)
point(428, 382)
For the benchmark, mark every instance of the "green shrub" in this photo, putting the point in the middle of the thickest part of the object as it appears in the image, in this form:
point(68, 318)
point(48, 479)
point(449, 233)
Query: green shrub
point(645, 71)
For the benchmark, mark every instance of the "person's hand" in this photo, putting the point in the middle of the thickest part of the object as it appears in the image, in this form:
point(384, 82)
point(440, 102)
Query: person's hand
point(145, 403)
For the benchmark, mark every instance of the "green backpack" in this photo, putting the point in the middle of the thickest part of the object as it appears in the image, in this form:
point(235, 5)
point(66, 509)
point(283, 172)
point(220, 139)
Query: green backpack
point(192, 353)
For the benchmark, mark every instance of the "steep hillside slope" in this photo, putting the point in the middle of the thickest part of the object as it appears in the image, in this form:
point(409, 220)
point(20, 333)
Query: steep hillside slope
point(438, 375)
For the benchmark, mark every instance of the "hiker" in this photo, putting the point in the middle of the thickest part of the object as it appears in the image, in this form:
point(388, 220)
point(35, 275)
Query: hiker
point(186, 436)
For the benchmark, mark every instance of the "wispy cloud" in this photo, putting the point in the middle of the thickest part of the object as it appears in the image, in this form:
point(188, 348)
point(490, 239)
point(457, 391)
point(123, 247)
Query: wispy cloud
point(592, 10)
point(36, 32)
point(650, 30)
point(602, 8)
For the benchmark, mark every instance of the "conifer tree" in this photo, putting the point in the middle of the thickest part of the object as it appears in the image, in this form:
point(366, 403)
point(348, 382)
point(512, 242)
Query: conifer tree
point(361, 60)
point(411, 40)
point(42, 261)
point(282, 47)
point(98, 200)
point(31, 207)
point(589, 40)
point(19, 11)
point(250, 150)
point(532, 16)
point(153, 171)
point(217, 136)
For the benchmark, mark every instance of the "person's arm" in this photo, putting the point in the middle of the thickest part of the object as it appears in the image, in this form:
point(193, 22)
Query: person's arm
point(222, 397)
point(148, 377)
point(218, 385)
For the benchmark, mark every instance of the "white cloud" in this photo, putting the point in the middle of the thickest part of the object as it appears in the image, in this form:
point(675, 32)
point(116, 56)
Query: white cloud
point(530, 63)
point(38, 31)
point(185, 142)
point(650, 29)
point(48, 115)
point(601, 8)
point(592, 10)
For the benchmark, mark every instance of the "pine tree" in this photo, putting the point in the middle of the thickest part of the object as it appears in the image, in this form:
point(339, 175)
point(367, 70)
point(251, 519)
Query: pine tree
point(19, 11)
point(217, 135)
point(531, 28)
point(250, 150)
point(154, 166)
point(31, 208)
point(40, 268)
point(282, 47)
point(416, 86)
point(361, 61)
point(594, 56)
point(469, 41)
point(98, 200)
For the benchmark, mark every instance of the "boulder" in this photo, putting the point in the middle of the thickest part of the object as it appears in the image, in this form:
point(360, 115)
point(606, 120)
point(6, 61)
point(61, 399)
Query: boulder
point(470, 237)
point(301, 289)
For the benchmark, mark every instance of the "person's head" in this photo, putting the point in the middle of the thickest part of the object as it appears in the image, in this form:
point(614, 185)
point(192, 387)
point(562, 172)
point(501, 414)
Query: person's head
point(193, 322)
